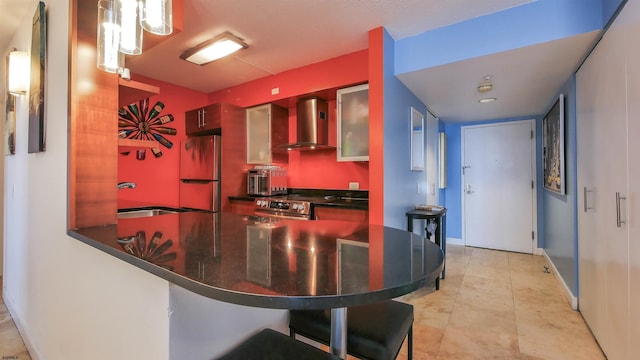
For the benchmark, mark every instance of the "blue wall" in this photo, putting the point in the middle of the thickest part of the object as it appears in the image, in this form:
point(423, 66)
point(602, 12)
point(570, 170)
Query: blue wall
point(529, 24)
point(560, 231)
point(400, 183)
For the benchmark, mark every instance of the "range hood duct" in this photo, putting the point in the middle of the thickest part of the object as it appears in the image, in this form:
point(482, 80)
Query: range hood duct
point(312, 123)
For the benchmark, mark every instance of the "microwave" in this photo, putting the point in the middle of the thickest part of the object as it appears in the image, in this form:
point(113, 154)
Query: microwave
point(267, 181)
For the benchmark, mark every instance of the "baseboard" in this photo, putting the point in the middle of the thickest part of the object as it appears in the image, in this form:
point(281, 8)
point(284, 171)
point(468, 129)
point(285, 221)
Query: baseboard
point(8, 302)
point(455, 241)
point(573, 300)
point(538, 251)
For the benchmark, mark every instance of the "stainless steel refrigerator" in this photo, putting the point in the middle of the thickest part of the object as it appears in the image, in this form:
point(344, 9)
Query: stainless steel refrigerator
point(200, 173)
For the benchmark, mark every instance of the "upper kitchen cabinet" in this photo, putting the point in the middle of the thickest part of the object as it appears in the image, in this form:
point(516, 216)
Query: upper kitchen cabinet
point(204, 120)
point(353, 123)
point(267, 127)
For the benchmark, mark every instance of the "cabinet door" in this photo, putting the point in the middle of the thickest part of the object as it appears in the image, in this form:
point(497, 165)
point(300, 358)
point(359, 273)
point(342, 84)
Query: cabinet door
point(211, 117)
point(258, 135)
point(325, 213)
point(602, 170)
point(353, 123)
point(192, 120)
point(632, 10)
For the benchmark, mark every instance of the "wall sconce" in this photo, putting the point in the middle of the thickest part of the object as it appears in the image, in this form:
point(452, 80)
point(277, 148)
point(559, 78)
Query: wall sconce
point(214, 49)
point(18, 72)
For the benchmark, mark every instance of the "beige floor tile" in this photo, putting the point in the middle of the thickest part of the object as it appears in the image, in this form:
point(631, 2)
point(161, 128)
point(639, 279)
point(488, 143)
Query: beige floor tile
point(470, 344)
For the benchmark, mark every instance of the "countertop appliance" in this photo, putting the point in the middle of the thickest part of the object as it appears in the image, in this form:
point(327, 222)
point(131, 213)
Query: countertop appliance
point(200, 173)
point(283, 208)
point(267, 181)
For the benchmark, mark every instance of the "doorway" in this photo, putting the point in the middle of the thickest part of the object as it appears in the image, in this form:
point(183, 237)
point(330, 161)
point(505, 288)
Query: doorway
point(498, 187)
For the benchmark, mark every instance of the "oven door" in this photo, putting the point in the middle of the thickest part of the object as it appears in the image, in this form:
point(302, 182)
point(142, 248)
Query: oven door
point(281, 214)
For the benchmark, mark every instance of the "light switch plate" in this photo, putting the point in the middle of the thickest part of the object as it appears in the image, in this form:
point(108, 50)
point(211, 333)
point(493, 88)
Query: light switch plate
point(354, 185)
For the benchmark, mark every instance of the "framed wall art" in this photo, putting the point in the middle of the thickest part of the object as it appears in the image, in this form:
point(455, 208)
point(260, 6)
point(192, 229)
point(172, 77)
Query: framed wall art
point(553, 125)
point(36, 88)
point(417, 140)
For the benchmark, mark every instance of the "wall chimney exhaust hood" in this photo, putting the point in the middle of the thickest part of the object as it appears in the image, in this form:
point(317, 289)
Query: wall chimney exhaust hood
point(312, 120)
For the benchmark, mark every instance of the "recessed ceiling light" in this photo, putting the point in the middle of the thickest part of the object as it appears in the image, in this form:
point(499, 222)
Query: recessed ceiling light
point(485, 87)
point(214, 49)
point(487, 100)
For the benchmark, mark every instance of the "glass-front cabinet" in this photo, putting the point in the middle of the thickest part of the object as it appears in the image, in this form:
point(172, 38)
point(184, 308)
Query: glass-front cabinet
point(267, 127)
point(353, 123)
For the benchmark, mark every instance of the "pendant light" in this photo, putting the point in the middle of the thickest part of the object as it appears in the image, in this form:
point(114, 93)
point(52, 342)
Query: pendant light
point(157, 17)
point(109, 57)
point(130, 28)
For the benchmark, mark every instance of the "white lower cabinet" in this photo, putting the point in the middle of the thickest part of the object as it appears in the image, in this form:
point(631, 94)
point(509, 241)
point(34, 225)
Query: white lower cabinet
point(607, 113)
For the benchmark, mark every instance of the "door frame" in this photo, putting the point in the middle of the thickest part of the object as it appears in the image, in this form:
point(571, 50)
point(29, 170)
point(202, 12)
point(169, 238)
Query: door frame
point(534, 173)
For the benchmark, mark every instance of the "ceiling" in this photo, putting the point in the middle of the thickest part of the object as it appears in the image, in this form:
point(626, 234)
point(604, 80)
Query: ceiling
point(286, 34)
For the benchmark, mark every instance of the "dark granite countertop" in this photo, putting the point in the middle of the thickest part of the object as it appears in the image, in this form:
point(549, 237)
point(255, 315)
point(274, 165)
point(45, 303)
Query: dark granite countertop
point(265, 262)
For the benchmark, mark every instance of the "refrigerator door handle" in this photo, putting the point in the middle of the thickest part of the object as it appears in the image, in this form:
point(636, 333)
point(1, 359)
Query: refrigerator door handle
point(192, 181)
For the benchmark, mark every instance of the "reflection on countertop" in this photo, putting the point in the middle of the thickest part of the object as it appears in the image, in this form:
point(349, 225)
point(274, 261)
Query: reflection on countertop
point(267, 262)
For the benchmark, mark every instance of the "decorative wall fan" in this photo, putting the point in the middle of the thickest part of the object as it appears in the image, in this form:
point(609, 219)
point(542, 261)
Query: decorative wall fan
point(137, 121)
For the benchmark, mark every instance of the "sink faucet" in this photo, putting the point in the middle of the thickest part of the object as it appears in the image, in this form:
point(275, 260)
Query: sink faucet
point(126, 185)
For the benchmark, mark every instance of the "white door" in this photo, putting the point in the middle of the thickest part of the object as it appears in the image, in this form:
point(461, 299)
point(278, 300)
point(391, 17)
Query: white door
point(498, 195)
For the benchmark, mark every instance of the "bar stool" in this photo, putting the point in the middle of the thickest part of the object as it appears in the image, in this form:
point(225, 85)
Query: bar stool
point(374, 331)
point(269, 344)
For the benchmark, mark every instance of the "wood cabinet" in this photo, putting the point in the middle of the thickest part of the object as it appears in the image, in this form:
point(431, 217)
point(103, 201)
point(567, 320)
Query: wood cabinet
point(205, 120)
point(242, 207)
point(267, 127)
point(353, 123)
point(608, 100)
point(332, 213)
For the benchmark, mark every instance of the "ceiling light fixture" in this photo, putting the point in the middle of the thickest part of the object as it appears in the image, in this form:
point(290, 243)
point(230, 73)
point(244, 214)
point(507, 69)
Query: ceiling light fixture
point(485, 87)
point(120, 28)
point(109, 57)
point(214, 49)
point(487, 100)
point(130, 29)
point(157, 16)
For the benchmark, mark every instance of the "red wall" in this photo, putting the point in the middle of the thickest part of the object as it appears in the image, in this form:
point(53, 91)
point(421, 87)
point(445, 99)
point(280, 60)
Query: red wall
point(157, 179)
point(309, 169)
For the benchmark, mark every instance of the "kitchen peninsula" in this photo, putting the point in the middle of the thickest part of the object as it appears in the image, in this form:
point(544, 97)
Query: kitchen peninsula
point(272, 263)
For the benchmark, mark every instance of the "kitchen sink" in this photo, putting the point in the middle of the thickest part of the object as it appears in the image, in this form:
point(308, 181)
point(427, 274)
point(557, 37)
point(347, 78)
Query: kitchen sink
point(146, 212)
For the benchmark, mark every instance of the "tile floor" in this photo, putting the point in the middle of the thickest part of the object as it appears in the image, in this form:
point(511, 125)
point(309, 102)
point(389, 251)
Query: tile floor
point(492, 305)
point(11, 345)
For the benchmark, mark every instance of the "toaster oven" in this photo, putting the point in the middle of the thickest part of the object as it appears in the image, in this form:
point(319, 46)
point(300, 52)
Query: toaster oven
point(267, 181)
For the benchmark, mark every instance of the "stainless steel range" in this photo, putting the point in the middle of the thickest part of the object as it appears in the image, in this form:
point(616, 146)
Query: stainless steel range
point(283, 208)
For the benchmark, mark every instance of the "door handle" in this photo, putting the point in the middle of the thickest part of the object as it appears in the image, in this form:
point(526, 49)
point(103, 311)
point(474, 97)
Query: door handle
point(586, 199)
point(464, 168)
point(619, 220)
point(467, 189)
